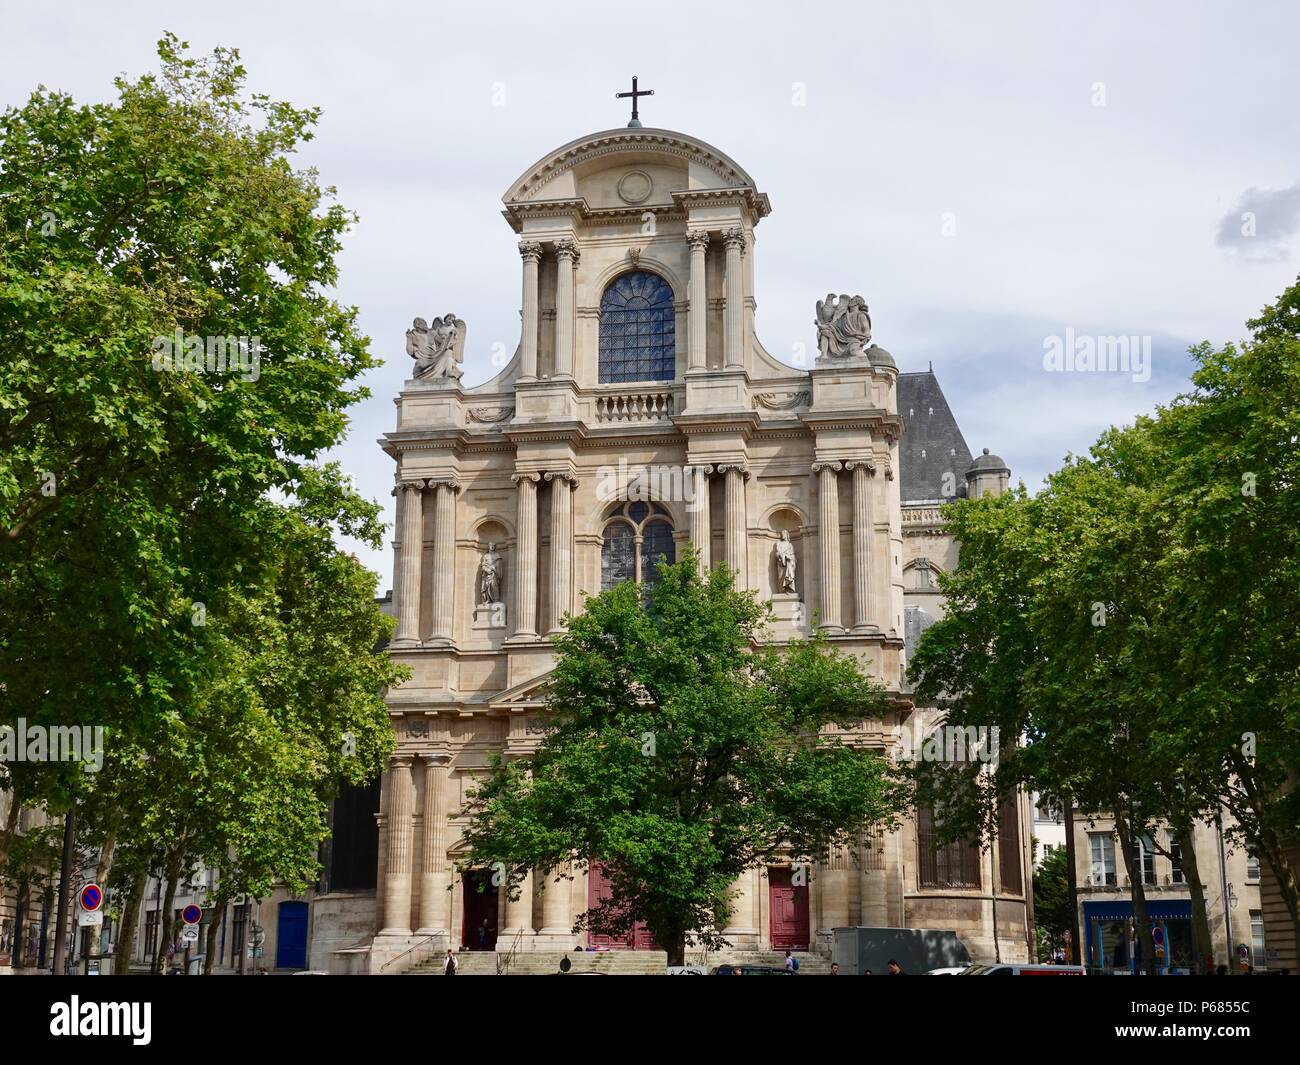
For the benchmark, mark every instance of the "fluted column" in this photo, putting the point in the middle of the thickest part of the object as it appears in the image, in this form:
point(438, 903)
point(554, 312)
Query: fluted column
point(737, 529)
point(874, 889)
point(862, 470)
point(828, 540)
point(519, 914)
point(397, 893)
point(444, 556)
point(557, 919)
point(698, 316)
point(409, 559)
point(835, 890)
point(435, 876)
point(734, 316)
point(697, 512)
point(526, 549)
point(561, 568)
point(742, 923)
point(566, 255)
point(531, 253)
point(881, 592)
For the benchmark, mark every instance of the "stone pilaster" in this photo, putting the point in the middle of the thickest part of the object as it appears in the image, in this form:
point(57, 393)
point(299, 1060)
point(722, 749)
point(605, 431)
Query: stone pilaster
point(409, 558)
point(835, 889)
point(734, 316)
point(526, 550)
point(874, 888)
point(531, 253)
point(698, 240)
point(737, 527)
point(566, 255)
point(699, 516)
point(561, 568)
point(444, 557)
point(397, 888)
point(435, 874)
point(828, 541)
point(862, 471)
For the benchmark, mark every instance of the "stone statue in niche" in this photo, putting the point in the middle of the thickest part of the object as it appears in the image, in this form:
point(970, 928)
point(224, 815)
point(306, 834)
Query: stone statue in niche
point(489, 579)
point(438, 349)
point(843, 327)
point(785, 564)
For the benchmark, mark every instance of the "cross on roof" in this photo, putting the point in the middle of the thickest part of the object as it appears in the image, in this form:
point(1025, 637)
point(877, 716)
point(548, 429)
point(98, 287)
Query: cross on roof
point(636, 121)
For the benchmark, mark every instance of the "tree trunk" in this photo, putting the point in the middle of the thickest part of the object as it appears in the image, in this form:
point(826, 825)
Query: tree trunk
point(1137, 892)
point(1202, 945)
point(105, 864)
point(210, 948)
point(166, 919)
point(130, 922)
point(676, 948)
point(9, 831)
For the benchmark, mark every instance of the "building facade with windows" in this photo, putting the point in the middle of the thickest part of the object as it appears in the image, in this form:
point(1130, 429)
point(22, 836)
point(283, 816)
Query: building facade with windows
point(1230, 877)
point(641, 412)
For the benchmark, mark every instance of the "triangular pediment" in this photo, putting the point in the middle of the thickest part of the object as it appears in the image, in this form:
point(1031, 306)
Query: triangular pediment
point(526, 695)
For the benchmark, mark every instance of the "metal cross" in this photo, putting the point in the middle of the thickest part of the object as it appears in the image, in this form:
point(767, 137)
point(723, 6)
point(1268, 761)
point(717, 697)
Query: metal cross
point(636, 121)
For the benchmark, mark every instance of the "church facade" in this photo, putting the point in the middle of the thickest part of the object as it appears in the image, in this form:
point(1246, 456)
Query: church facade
point(641, 413)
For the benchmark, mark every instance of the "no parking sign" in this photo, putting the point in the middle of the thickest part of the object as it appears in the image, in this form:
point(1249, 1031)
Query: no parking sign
point(92, 898)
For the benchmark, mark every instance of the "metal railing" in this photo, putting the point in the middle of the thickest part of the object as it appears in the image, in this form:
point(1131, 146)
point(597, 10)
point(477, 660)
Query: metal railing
point(423, 944)
point(503, 964)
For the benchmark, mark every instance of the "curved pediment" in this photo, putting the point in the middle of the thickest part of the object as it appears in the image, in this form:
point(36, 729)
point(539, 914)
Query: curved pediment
point(684, 163)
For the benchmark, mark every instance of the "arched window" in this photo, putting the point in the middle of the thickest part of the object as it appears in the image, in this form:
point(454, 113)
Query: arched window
point(635, 536)
point(636, 330)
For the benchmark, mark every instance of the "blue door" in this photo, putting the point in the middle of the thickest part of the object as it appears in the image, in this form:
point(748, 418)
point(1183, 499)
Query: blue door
point(291, 936)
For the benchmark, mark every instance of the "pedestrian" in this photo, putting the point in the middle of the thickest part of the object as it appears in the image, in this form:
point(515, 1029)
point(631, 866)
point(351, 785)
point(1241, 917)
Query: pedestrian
point(895, 969)
point(483, 932)
point(791, 963)
point(565, 964)
point(449, 969)
point(835, 968)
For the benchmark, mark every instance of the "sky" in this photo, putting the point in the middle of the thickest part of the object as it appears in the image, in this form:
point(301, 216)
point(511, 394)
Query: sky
point(988, 176)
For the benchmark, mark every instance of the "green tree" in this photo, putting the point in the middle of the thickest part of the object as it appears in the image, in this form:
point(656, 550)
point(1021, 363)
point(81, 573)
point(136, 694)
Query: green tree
point(1052, 916)
point(682, 753)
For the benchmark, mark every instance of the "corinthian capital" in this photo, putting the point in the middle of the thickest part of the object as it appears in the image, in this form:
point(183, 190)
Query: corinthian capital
point(734, 237)
point(530, 249)
point(566, 249)
point(698, 238)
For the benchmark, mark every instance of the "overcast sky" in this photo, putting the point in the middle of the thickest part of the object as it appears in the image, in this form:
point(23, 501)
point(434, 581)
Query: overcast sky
point(985, 175)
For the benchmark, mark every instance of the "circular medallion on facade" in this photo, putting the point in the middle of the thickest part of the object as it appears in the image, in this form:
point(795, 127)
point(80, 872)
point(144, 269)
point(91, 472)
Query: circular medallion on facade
point(635, 186)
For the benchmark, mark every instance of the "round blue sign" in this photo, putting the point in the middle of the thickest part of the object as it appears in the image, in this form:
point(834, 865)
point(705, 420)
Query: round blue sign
point(191, 914)
point(91, 897)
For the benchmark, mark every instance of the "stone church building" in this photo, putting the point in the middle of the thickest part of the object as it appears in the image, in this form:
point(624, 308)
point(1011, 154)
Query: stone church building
point(640, 413)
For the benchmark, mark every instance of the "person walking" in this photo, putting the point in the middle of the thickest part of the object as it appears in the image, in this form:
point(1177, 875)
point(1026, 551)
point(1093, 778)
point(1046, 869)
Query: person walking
point(791, 963)
point(451, 965)
point(895, 969)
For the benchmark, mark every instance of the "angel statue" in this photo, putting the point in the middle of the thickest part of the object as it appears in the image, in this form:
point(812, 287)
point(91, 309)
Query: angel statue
point(438, 349)
point(843, 327)
point(489, 582)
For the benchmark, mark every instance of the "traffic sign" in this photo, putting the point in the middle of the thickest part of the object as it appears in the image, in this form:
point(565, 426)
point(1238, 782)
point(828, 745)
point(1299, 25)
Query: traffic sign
point(190, 934)
point(92, 897)
point(90, 918)
point(192, 914)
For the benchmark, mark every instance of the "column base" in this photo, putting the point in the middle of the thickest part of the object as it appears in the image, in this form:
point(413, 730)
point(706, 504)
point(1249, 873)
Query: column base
point(521, 638)
point(831, 629)
point(405, 644)
point(865, 629)
point(387, 933)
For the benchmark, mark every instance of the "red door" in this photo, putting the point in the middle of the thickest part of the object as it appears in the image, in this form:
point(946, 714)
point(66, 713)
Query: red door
point(597, 889)
point(478, 929)
point(789, 910)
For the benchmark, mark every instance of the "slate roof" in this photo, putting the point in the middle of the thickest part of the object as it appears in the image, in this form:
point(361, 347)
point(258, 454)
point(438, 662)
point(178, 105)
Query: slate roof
point(932, 443)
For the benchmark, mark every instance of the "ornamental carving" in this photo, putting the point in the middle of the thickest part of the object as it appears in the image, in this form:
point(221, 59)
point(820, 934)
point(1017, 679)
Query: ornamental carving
point(843, 327)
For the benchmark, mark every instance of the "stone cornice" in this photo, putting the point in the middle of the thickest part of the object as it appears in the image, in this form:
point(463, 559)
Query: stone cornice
point(751, 199)
point(879, 422)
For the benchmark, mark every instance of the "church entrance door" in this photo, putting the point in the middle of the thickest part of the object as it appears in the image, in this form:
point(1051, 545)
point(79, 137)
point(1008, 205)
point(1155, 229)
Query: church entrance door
point(597, 889)
point(478, 929)
point(789, 910)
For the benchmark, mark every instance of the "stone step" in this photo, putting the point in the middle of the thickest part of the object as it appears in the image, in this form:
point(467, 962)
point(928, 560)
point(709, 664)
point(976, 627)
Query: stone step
point(547, 962)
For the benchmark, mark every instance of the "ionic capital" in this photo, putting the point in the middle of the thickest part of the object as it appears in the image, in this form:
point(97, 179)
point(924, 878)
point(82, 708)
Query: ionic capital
point(563, 475)
point(739, 467)
point(410, 486)
point(518, 478)
point(447, 481)
point(865, 464)
point(827, 464)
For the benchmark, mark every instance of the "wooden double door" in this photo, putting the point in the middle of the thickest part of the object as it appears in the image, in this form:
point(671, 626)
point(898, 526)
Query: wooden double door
point(788, 906)
point(597, 889)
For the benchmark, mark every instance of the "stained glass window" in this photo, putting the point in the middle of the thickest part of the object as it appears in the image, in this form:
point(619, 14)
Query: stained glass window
point(656, 540)
point(617, 555)
point(636, 330)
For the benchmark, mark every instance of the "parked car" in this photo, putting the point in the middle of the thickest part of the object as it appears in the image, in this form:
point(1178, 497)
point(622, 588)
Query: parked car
point(1016, 969)
point(749, 970)
point(949, 970)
